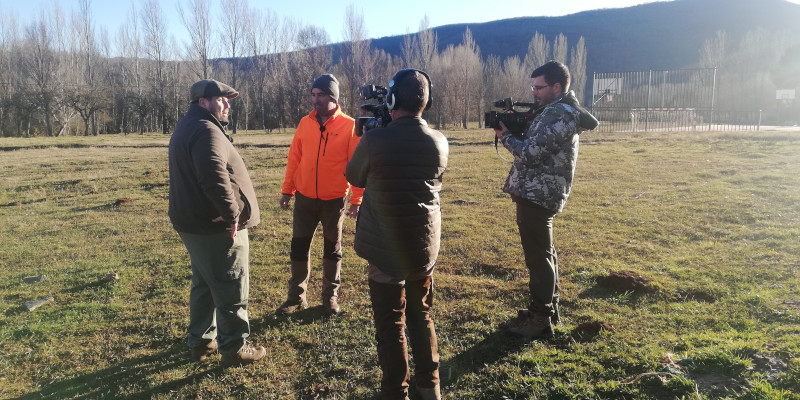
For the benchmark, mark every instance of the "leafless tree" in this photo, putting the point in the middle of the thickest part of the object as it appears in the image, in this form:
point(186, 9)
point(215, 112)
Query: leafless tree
point(235, 17)
point(196, 18)
point(86, 101)
point(354, 64)
point(156, 49)
point(577, 68)
point(713, 51)
point(469, 68)
point(516, 78)
point(560, 49)
point(261, 39)
point(40, 63)
point(427, 45)
point(538, 52)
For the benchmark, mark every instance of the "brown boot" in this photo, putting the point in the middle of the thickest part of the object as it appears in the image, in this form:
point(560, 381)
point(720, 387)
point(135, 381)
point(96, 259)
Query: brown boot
point(535, 326)
point(555, 319)
point(331, 306)
point(331, 280)
point(290, 306)
point(202, 352)
point(433, 393)
point(246, 355)
point(298, 282)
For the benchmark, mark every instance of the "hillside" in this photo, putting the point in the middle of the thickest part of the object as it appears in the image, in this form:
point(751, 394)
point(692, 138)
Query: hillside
point(662, 35)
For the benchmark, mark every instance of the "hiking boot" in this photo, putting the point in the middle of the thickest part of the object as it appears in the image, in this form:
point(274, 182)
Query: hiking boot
point(433, 393)
point(555, 319)
point(202, 352)
point(331, 306)
point(535, 326)
point(246, 355)
point(290, 306)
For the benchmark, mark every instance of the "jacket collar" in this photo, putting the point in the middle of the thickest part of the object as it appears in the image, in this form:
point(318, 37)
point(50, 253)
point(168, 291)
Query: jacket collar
point(336, 113)
point(199, 112)
point(409, 121)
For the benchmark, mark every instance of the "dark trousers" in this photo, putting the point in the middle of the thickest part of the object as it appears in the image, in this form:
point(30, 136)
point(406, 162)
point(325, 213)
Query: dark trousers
point(308, 214)
point(395, 306)
point(536, 233)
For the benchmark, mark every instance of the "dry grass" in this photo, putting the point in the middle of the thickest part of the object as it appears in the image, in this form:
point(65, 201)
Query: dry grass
point(711, 218)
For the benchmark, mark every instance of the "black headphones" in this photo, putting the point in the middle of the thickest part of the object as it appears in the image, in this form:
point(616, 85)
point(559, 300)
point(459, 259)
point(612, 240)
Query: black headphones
point(391, 101)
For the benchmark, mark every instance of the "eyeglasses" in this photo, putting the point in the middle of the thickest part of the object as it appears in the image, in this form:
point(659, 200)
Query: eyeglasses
point(538, 88)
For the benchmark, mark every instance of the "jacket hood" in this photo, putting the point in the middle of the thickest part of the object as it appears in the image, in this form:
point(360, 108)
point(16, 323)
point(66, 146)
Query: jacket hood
point(586, 121)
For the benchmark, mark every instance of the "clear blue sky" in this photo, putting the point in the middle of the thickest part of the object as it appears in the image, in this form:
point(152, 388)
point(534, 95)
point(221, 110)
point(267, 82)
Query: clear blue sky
point(382, 18)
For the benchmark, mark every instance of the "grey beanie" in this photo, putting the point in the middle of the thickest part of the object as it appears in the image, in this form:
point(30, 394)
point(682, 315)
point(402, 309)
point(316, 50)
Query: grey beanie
point(328, 84)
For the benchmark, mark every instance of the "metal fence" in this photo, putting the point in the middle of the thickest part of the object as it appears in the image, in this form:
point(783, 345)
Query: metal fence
point(674, 100)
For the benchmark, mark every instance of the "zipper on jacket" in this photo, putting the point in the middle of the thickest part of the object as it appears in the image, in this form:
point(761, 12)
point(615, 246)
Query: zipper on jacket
point(319, 147)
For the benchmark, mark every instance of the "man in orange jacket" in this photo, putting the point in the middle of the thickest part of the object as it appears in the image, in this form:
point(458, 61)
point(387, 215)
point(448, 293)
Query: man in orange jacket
point(322, 146)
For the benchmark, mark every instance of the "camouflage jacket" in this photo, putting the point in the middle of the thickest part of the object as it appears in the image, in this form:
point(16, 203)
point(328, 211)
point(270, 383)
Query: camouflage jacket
point(545, 157)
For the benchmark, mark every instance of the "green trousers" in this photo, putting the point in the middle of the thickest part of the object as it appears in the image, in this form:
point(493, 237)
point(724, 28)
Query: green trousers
point(220, 288)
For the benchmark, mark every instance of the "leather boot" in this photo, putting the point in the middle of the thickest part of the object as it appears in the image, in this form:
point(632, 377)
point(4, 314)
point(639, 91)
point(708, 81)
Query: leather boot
point(298, 282)
point(331, 280)
point(202, 352)
point(246, 355)
point(535, 326)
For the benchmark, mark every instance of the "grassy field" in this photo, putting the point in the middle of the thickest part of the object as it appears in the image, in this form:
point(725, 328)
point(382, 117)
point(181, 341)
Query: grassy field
point(713, 219)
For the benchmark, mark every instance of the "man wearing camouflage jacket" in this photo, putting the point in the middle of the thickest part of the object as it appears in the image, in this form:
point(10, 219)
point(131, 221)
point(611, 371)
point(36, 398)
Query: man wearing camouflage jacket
point(539, 183)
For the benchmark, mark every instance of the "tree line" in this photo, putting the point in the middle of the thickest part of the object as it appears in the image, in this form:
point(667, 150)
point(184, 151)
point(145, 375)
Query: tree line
point(61, 75)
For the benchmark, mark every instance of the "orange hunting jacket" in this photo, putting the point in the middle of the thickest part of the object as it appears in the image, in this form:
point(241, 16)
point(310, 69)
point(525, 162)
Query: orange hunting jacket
point(318, 156)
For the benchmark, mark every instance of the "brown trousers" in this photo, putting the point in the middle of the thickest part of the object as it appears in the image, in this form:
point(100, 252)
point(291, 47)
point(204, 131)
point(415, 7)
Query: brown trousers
point(308, 214)
point(396, 305)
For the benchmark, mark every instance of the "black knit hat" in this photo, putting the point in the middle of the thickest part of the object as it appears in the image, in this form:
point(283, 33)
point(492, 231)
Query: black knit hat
point(211, 88)
point(328, 84)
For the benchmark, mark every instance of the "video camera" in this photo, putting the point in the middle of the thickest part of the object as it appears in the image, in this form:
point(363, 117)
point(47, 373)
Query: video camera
point(379, 111)
point(517, 122)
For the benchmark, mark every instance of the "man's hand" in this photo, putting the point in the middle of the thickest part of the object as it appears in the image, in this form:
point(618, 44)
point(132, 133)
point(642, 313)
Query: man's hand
point(499, 132)
point(234, 226)
point(284, 201)
point(353, 213)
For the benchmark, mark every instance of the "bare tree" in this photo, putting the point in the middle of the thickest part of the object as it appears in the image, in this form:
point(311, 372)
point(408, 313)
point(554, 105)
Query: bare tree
point(155, 40)
point(84, 25)
point(428, 45)
point(40, 64)
point(560, 49)
point(196, 18)
point(354, 63)
point(261, 39)
point(538, 52)
point(577, 68)
point(8, 37)
point(235, 17)
point(713, 51)
point(86, 101)
point(470, 73)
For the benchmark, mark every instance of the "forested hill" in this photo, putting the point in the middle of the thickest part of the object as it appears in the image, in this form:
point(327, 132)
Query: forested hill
point(661, 35)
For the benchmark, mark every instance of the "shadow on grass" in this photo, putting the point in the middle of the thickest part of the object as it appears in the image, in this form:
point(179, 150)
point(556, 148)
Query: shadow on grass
point(302, 317)
point(134, 373)
point(483, 354)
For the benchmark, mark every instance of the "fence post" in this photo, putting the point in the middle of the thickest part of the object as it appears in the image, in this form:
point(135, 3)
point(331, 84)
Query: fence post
point(647, 106)
point(759, 121)
point(713, 97)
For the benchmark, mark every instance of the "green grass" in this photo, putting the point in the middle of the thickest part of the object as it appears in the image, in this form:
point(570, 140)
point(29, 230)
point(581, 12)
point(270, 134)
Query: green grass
point(712, 218)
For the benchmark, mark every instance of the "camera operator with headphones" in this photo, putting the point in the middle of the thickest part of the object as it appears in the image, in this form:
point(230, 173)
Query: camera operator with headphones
point(400, 167)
